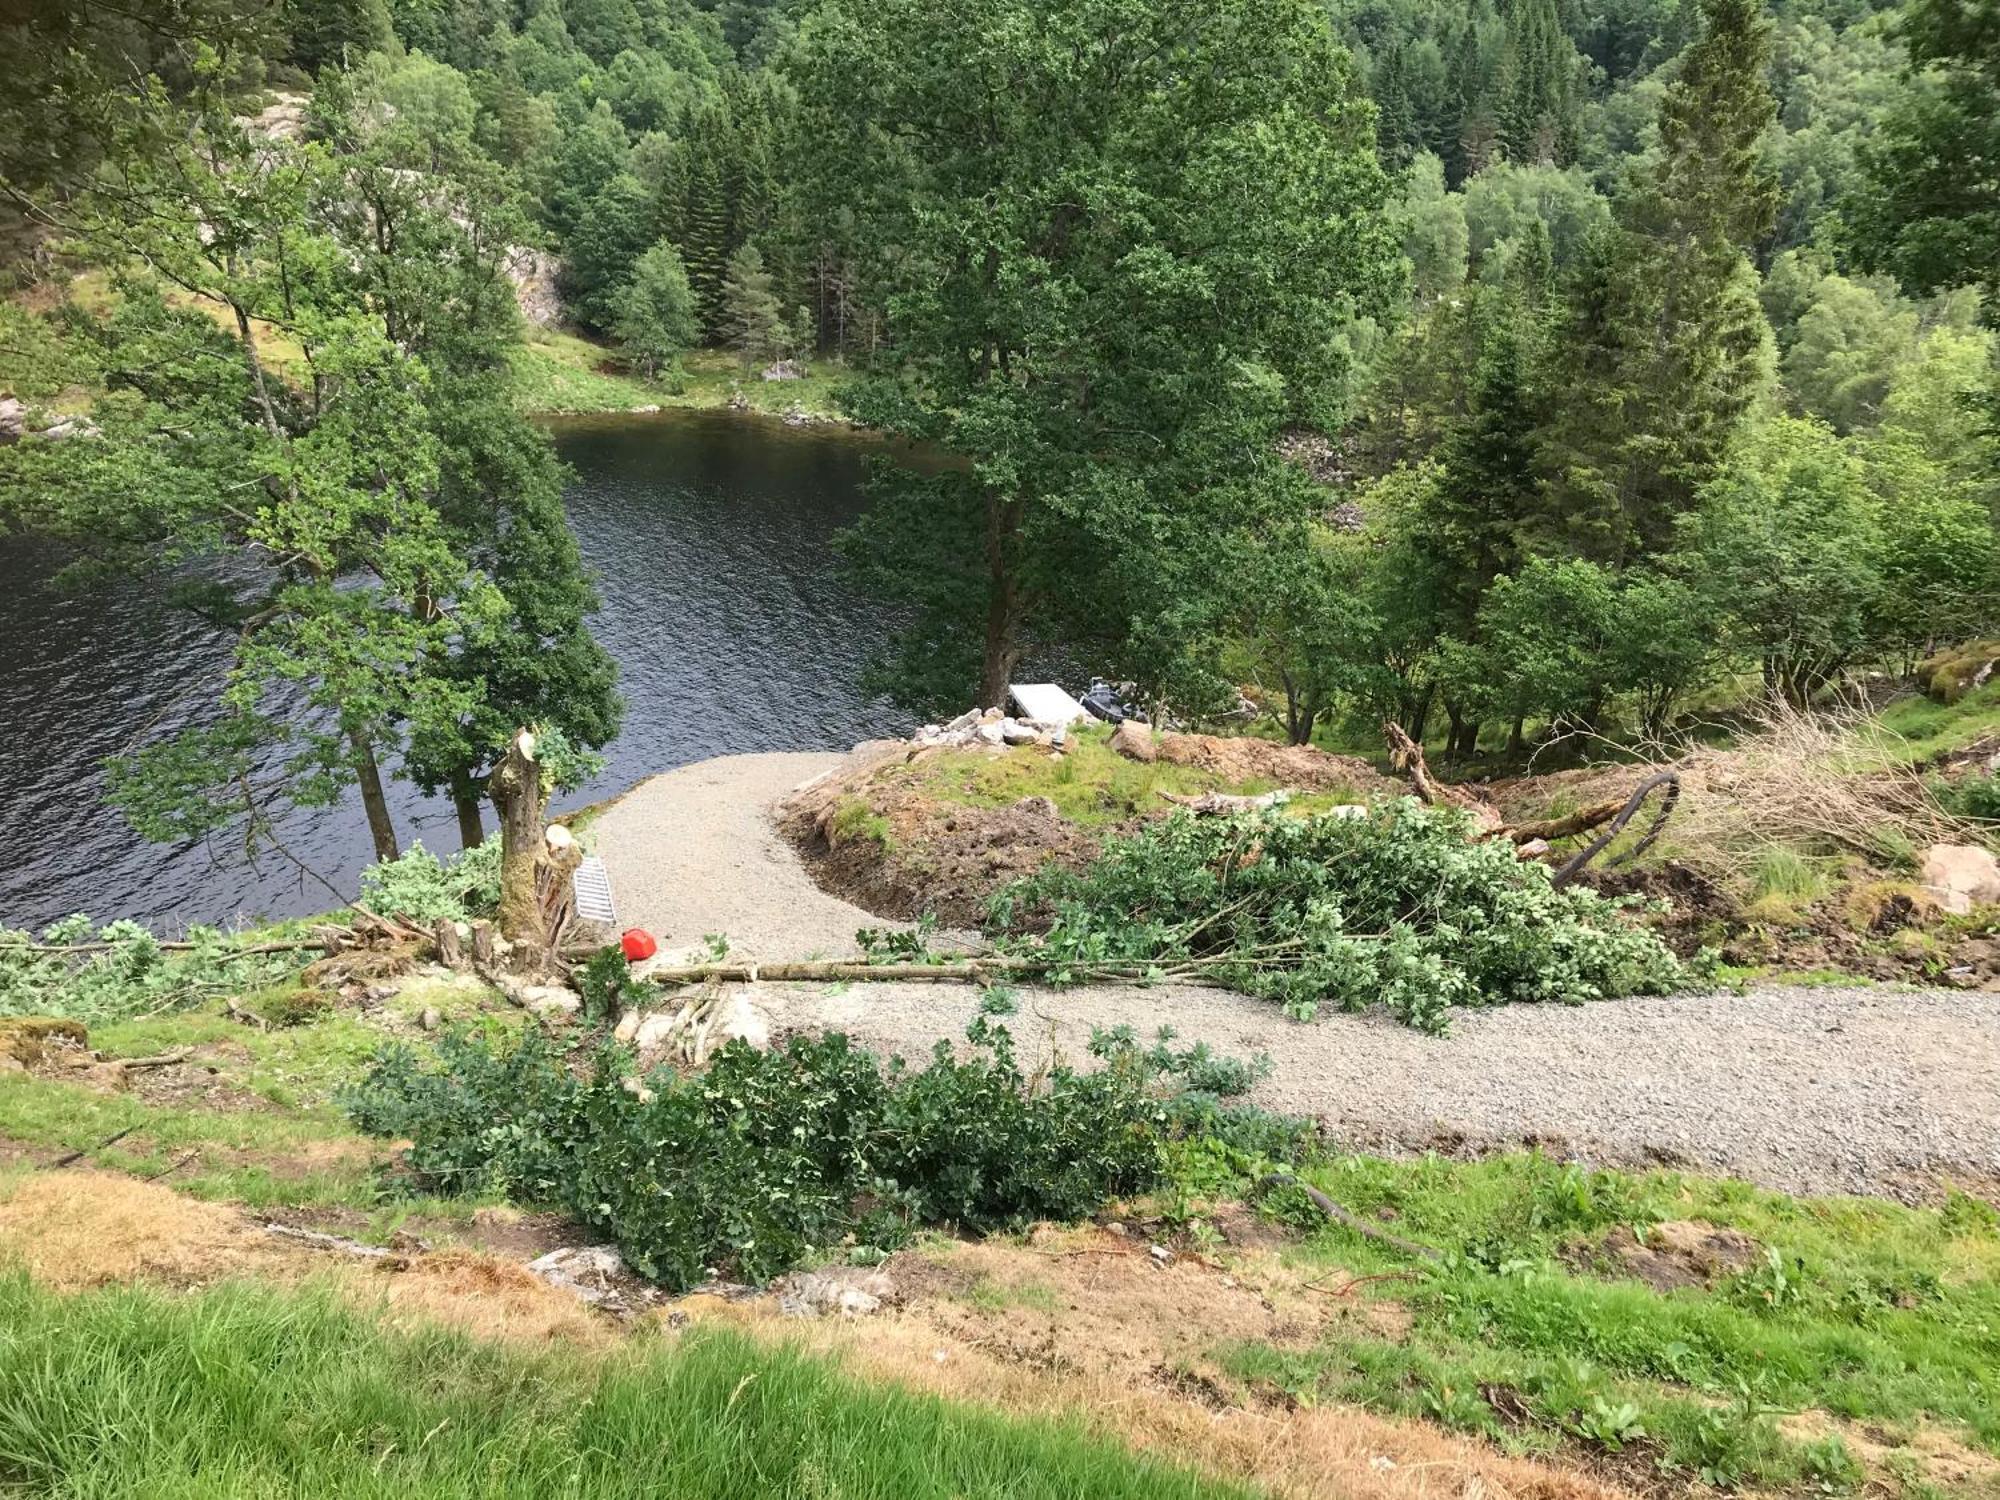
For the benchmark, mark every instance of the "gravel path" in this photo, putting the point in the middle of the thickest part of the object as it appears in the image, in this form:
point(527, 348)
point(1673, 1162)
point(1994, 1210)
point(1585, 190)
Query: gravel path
point(1814, 1090)
point(693, 851)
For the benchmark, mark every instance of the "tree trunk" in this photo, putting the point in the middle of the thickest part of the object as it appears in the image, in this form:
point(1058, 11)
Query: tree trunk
point(1516, 737)
point(471, 823)
point(368, 774)
point(1001, 650)
point(516, 789)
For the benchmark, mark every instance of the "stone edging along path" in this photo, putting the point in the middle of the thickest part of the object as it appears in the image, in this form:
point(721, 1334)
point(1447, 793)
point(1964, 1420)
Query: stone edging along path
point(1814, 1090)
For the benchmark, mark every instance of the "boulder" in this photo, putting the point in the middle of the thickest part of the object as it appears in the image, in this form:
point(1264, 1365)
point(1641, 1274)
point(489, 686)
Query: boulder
point(596, 1273)
point(990, 734)
point(784, 369)
point(1134, 741)
point(847, 1292)
point(13, 419)
point(1961, 876)
point(1015, 732)
point(740, 1019)
point(551, 1002)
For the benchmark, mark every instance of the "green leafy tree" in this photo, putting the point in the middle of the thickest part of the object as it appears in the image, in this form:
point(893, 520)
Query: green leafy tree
point(1116, 234)
point(653, 314)
point(615, 231)
point(1786, 550)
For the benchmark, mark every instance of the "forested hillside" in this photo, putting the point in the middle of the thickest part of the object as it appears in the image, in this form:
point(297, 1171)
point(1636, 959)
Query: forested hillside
point(1498, 367)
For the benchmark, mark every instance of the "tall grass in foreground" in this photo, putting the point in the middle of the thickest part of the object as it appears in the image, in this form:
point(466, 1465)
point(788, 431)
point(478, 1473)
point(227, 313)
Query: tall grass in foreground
point(245, 1392)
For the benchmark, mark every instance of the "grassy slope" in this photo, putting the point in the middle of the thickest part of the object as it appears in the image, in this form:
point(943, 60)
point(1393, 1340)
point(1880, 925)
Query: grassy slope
point(241, 1392)
point(1869, 1311)
point(558, 372)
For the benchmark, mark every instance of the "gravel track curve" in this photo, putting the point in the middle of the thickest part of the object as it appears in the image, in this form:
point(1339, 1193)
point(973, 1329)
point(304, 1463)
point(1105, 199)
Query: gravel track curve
point(1807, 1089)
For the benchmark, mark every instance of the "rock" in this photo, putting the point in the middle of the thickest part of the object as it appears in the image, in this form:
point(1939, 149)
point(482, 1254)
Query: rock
point(1961, 876)
point(1015, 732)
point(551, 1002)
point(283, 119)
point(847, 1292)
point(740, 1019)
point(70, 427)
point(990, 734)
point(654, 1030)
point(784, 369)
point(1134, 741)
point(1039, 806)
point(532, 273)
point(1161, 1254)
point(596, 1273)
point(651, 408)
point(967, 720)
point(13, 419)
point(431, 1019)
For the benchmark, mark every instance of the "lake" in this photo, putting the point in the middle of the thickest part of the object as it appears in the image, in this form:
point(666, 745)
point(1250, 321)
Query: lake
point(709, 533)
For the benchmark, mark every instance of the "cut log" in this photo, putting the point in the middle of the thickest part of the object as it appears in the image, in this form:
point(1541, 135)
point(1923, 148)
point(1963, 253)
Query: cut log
point(450, 951)
point(516, 789)
point(1209, 804)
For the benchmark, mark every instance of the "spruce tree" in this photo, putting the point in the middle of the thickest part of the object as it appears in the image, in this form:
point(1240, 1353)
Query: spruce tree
point(704, 234)
point(1537, 110)
point(753, 321)
point(1669, 344)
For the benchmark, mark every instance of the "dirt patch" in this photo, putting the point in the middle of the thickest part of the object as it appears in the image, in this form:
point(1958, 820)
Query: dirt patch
point(1085, 1325)
point(1299, 767)
point(911, 854)
point(1678, 1253)
point(1937, 1457)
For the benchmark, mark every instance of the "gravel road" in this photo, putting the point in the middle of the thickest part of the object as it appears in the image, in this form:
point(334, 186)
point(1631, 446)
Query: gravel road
point(1812, 1090)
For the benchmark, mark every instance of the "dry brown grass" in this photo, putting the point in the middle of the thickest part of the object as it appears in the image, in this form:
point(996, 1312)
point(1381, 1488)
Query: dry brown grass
point(1082, 1325)
point(1806, 782)
point(75, 1230)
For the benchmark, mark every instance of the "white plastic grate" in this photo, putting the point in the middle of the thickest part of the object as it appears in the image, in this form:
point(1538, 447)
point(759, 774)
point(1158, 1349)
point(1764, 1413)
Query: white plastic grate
point(593, 892)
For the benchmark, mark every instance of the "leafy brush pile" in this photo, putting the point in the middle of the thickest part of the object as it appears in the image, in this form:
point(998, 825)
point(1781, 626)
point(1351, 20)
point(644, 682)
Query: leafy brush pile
point(750, 1165)
point(121, 970)
point(1401, 907)
point(420, 887)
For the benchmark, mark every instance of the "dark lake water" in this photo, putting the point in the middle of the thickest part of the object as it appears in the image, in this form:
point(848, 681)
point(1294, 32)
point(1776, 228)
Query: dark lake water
point(709, 534)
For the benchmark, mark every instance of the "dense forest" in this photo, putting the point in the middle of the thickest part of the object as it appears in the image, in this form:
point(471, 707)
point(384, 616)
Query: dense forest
point(1512, 369)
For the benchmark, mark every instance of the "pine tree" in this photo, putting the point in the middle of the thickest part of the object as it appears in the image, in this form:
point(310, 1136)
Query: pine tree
point(704, 232)
point(1537, 110)
point(1669, 344)
point(753, 322)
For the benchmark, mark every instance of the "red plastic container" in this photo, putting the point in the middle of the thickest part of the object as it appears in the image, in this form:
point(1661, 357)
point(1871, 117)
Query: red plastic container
point(638, 943)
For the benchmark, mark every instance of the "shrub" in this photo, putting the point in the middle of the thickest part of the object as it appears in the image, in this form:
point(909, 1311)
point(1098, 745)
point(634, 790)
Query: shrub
point(130, 974)
point(420, 887)
point(767, 1155)
point(1400, 907)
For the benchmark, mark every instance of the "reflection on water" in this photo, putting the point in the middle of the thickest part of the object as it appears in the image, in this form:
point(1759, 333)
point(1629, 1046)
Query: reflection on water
point(709, 533)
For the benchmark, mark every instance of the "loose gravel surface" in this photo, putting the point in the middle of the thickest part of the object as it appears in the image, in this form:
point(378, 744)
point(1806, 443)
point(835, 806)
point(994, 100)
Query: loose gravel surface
point(1812, 1090)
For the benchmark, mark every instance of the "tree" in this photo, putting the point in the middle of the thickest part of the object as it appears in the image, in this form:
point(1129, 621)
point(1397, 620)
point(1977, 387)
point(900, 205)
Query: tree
point(1124, 245)
point(1667, 346)
point(1785, 549)
point(653, 314)
point(1538, 124)
point(753, 324)
point(614, 232)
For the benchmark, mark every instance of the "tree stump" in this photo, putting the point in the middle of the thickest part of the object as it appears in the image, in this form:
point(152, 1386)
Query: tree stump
point(516, 789)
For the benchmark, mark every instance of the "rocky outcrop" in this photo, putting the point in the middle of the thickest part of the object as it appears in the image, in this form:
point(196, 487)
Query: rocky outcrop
point(533, 275)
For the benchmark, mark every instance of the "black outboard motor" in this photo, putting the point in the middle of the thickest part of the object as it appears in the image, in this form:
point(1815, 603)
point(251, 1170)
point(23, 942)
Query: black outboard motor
point(1103, 702)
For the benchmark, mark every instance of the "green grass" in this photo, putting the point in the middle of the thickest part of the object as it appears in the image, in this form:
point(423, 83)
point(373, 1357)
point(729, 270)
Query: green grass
point(1867, 1310)
point(1091, 785)
point(300, 1150)
point(1917, 728)
point(556, 372)
point(248, 1393)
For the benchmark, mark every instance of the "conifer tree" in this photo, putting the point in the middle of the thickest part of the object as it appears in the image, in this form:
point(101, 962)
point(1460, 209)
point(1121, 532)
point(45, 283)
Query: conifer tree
point(704, 225)
point(1537, 110)
point(1667, 344)
point(753, 321)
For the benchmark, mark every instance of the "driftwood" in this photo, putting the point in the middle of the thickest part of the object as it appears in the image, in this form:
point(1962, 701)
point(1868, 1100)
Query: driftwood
point(1407, 756)
point(319, 1241)
point(1348, 1219)
point(1210, 803)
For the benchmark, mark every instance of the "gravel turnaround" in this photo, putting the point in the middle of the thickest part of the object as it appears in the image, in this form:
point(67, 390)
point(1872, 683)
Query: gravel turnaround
point(1811, 1090)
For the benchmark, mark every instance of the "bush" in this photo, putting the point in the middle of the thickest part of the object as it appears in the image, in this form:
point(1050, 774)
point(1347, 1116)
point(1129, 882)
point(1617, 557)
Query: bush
point(1400, 907)
point(420, 887)
point(765, 1156)
point(131, 974)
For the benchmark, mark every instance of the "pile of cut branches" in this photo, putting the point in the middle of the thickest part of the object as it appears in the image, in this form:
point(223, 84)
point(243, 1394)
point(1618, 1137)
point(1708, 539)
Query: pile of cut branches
point(1406, 907)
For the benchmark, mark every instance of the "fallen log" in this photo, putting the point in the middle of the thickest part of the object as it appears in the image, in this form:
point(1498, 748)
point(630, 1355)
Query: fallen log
point(1348, 1219)
point(319, 1241)
point(1209, 804)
